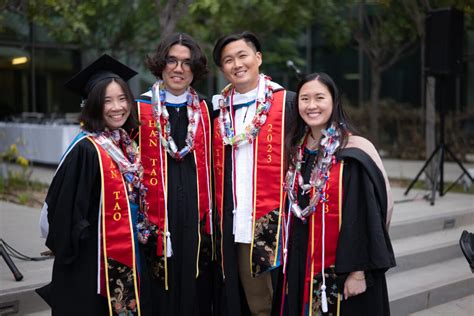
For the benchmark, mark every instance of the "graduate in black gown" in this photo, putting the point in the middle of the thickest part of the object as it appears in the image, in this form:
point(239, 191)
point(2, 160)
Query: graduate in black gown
point(92, 206)
point(339, 207)
point(248, 168)
point(175, 136)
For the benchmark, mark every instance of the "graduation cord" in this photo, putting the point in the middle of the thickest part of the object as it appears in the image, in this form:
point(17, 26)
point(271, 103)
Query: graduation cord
point(324, 300)
point(208, 182)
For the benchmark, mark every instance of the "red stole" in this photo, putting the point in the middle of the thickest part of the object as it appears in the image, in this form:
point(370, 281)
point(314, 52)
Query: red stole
point(268, 173)
point(116, 228)
point(155, 164)
point(333, 220)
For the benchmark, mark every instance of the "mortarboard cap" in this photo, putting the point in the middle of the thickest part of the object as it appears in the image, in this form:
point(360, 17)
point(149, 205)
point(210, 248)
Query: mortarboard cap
point(103, 68)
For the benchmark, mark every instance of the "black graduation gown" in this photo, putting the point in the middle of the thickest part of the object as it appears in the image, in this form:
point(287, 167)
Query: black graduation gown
point(187, 295)
point(73, 208)
point(363, 242)
point(230, 299)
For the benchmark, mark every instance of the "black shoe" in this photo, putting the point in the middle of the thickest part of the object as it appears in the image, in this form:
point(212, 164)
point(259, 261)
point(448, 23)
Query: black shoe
point(466, 242)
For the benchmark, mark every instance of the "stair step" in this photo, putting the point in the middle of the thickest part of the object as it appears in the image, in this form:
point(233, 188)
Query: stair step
point(417, 289)
point(417, 251)
point(460, 307)
point(417, 217)
point(25, 302)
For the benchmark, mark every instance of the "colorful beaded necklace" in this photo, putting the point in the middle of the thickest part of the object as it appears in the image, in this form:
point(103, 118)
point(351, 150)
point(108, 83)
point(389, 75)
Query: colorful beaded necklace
point(253, 128)
point(160, 114)
point(124, 152)
point(319, 173)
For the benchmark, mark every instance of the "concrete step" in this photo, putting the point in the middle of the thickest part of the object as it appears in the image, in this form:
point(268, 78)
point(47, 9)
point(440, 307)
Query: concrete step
point(417, 289)
point(460, 307)
point(417, 217)
point(25, 302)
point(418, 251)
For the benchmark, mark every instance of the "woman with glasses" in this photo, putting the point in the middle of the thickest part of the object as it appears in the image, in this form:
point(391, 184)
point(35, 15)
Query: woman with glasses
point(175, 146)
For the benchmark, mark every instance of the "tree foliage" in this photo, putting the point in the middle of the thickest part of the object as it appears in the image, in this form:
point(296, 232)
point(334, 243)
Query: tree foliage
point(103, 25)
point(386, 30)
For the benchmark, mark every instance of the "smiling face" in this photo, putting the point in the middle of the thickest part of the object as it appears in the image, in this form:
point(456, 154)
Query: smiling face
point(116, 106)
point(240, 65)
point(177, 75)
point(315, 106)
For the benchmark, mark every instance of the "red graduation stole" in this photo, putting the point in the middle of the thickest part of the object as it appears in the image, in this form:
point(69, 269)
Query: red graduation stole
point(118, 247)
point(333, 220)
point(268, 176)
point(155, 159)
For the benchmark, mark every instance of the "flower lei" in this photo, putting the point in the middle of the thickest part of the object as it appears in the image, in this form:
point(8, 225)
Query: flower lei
point(253, 128)
point(319, 174)
point(161, 113)
point(128, 160)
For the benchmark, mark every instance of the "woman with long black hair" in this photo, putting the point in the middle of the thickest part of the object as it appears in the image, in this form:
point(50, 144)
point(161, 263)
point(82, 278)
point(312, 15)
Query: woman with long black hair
point(339, 206)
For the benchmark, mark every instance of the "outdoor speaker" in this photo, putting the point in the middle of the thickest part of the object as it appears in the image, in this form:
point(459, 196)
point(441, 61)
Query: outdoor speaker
point(444, 38)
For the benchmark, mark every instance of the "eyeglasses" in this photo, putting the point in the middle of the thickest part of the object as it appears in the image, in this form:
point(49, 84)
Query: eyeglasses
point(172, 63)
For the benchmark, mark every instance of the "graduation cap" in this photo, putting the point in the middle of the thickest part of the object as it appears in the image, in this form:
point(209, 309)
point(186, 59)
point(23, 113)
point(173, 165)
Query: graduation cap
point(103, 68)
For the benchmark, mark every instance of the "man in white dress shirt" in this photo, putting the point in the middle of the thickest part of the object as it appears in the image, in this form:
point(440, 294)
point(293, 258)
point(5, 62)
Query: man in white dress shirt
point(248, 169)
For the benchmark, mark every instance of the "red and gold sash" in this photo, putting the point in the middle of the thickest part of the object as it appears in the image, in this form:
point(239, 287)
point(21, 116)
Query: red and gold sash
point(333, 220)
point(268, 173)
point(155, 164)
point(118, 245)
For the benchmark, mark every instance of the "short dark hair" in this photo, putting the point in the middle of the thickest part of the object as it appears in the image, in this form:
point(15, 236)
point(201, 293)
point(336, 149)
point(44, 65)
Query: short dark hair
point(298, 125)
point(92, 115)
point(222, 42)
point(157, 61)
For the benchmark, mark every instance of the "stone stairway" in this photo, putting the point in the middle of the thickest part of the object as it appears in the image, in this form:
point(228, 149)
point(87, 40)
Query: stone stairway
point(431, 269)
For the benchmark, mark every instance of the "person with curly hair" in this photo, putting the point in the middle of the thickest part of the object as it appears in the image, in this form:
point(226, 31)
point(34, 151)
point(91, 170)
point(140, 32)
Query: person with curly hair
point(176, 154)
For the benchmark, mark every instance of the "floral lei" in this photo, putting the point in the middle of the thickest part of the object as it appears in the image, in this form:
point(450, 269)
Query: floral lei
point(253, 128)
point(319, 174)
point(161, 113)
point(125, 153)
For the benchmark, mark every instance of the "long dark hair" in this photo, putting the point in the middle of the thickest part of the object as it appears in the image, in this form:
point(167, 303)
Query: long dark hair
point(157, 61)
point(92, 116)
point(297, 125)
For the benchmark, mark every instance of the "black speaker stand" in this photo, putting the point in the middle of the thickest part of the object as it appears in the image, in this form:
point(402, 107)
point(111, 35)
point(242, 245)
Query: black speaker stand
point(442, 148)
point(439, 171)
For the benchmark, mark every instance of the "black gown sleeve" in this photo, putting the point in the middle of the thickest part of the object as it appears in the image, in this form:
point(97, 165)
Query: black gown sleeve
point(71, 197)
point(363, 242)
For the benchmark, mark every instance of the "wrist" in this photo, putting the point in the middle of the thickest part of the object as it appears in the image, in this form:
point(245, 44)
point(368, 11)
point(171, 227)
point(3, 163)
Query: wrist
point(358, 275)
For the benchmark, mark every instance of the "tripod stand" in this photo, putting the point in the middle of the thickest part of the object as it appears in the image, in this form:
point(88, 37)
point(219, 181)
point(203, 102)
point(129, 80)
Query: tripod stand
point(16, 273)
point(442, 148)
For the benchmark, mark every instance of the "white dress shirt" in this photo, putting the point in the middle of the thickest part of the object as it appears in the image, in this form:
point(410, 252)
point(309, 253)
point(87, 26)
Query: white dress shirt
point(243, 169)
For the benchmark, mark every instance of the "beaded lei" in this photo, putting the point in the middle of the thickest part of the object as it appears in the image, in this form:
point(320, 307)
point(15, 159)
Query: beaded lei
point(253, 128)
point(319, 173)
point(160, 114)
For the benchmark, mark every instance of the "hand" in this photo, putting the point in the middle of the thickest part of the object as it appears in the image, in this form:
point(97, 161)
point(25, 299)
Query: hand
point(355, 284)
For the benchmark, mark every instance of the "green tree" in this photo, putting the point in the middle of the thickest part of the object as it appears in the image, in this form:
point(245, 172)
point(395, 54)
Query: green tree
point(278, 24)
point(386, 35)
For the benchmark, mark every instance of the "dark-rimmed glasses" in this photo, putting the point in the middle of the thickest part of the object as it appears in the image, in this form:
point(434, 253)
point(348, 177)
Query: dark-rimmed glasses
point(172, 63)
